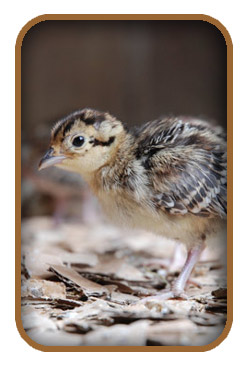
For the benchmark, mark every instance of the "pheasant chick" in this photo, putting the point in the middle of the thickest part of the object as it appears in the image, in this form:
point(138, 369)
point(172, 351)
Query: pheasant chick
point(167, 176)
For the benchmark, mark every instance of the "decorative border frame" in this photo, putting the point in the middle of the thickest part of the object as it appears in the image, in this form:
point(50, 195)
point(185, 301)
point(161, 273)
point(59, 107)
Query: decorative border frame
point(138, 17)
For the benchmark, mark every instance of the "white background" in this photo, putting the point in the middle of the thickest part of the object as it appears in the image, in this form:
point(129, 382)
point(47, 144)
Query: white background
point(228, 361)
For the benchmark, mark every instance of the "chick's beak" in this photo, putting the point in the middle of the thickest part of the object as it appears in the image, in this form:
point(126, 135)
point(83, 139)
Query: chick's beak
point(49, 159)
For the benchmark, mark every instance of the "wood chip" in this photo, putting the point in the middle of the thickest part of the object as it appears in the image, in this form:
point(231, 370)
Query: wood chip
point(72, 278)
point(38, 288)
point(118, 335)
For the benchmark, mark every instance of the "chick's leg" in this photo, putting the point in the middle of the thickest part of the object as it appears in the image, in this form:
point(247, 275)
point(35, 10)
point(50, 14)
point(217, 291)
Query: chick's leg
point(178, 287)
point(192, 258)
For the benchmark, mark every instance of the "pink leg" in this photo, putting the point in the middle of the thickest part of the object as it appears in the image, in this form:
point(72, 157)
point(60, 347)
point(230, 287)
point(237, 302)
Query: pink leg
point(192, 258)
point(180, 283)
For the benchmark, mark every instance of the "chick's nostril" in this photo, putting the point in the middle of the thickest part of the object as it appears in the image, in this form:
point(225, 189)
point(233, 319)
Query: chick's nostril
point(50, 152)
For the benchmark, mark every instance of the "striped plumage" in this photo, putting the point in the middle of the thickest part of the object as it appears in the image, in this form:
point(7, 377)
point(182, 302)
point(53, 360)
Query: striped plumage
point(167, 176)
point(187, 166)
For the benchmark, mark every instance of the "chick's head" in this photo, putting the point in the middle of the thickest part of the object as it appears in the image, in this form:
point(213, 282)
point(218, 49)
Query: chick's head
point(83, 142)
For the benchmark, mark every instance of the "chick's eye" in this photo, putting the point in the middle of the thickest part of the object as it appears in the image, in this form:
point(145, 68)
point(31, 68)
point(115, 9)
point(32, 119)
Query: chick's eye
point(78, 141)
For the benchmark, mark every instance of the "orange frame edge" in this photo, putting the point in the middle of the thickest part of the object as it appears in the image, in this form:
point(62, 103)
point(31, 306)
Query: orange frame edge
point(138, 17)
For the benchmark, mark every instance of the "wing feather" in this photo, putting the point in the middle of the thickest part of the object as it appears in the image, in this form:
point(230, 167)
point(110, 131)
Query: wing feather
point(187, 167)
